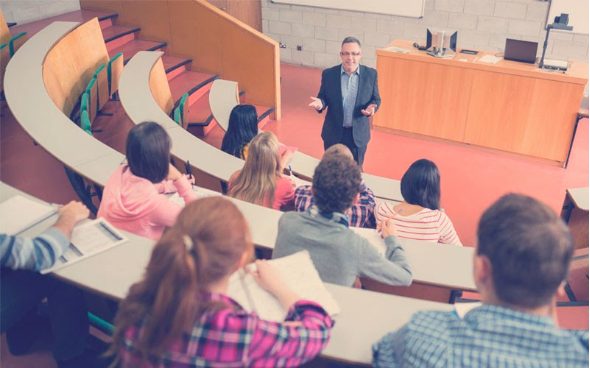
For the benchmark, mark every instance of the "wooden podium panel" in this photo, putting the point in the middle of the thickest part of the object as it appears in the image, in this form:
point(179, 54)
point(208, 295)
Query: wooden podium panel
point(510, 106)
point(423, 98)
point(521, 114)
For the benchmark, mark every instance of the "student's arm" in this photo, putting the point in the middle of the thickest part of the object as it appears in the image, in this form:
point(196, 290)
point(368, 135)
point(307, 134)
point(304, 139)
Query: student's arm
point(384, 211)
point(448, 235)
point(303, 335)
point(181, 185)
point(19, 252)
point(366, 207)
point(393, 269)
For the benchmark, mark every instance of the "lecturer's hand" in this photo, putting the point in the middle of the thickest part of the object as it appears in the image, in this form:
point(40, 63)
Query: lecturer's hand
point(370, 110)
point(316, 103)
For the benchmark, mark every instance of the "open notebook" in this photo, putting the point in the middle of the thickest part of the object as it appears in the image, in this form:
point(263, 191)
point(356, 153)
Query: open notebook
point(88, 239)
point(298, 273)
point(19, 213)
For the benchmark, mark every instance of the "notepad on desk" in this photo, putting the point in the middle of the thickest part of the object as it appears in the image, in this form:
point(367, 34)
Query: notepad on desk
point(298, 273)
point(19, 213)
point(88, 239)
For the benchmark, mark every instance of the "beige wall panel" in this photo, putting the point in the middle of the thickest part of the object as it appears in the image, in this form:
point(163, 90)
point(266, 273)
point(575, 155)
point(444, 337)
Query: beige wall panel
point(423, 98)
point(151, 16)
point(522, 114)
point(160, 87)
point(106, 5)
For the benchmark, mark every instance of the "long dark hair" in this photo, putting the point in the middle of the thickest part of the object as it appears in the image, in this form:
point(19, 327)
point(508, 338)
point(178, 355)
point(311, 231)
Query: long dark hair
point(421, 184)
point(242, 127)
point(148, 151)
point(206, 243)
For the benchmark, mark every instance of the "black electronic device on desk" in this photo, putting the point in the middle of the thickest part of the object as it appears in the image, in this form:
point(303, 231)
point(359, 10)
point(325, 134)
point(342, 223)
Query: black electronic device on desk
point(469, 52)
point(438, 43)
point(523, 51)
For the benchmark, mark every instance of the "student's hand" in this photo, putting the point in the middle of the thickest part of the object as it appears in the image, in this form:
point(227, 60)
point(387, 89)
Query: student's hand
point(69, 216)
point(270, 279)
point(191, 179)
point(316, 103)
point(267, 276)
point(387, 228)
point(370, 110)
point(173, 173)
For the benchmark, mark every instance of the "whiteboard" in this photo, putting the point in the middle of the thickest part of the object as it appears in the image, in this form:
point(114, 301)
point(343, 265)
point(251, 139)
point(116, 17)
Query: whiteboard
point(404, 8)
point(577, 10)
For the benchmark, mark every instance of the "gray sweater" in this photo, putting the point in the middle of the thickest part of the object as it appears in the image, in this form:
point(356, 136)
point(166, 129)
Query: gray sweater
point(339, 254)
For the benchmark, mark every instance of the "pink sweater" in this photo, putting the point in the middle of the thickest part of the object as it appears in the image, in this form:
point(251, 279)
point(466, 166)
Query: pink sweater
point(137, 205)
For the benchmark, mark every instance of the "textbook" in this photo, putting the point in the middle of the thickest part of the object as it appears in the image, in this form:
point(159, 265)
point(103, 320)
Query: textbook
point(18, 213)
point(298, 273)
point(88, 239)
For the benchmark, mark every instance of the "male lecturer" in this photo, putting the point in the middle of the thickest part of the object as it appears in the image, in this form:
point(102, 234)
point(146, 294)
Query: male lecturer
point(349, 91)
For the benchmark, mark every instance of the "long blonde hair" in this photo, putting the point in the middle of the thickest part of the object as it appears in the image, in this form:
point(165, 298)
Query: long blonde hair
point(257, 180)
point(206, 243)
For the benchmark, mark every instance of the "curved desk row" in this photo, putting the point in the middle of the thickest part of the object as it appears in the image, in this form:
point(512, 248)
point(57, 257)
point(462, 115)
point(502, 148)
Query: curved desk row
point(139, 104)
point(357, 327)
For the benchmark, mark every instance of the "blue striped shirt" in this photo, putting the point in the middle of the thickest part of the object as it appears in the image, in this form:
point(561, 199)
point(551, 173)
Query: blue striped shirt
point(488, 336)
point(349, 85)
point(35, 254)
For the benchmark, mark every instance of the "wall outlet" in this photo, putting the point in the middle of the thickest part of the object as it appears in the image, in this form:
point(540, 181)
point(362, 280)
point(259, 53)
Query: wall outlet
point(282, 45)
point(299, 47)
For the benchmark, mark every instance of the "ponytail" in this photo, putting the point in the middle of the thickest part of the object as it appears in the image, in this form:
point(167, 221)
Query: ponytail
point(204, 246)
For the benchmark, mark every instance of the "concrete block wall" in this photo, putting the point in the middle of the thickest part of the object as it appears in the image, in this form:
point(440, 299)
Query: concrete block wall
point(25, 11)
point(481, 25)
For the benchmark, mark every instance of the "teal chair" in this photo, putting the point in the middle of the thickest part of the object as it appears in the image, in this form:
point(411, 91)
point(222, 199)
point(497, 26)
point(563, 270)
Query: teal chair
point(85, 122)
point(13, 39)
point(180, 111)
point(114, 69)
point(92, 90)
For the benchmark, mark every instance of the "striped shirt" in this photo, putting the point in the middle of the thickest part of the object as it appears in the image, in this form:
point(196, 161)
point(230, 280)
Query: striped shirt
point(232, 337)
point(35, 254)
point(426, 224)
point(487, 337)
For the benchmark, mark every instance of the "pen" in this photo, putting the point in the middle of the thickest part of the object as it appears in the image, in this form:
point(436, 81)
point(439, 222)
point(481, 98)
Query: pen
point(188, 169)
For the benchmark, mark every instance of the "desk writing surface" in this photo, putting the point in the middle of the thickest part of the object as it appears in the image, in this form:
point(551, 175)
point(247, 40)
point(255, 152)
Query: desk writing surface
point(580, 197)
point(33, 108)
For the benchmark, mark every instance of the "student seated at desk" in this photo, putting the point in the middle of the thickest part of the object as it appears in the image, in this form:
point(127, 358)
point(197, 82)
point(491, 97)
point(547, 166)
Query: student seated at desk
point(22, 288)
point(339, 254)
point(133, 198)
point(521, 263)
point(180, 316)
point(419, 216)
point(241, 129)
point(362, 212)
point(261, 180)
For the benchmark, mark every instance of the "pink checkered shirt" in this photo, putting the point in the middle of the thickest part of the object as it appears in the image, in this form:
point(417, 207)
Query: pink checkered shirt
point(232, 337)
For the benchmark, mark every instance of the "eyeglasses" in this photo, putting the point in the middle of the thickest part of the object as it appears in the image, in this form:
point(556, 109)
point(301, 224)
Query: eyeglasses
point(346, 53)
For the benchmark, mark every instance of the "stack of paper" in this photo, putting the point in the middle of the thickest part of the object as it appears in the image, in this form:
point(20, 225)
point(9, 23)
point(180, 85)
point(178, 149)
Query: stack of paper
point(19, 213)
point(298, 273)
point(88, 239)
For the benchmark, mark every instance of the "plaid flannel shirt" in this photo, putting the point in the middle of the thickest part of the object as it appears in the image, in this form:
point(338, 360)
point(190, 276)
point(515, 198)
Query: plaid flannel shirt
point(361, 214)
point(232, 337)
point(487, 337)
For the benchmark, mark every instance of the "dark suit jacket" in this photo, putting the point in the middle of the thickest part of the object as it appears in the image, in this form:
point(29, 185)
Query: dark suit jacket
point(331, 96)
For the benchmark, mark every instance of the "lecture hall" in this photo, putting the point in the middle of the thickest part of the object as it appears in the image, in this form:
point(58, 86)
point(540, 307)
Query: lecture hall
point(281, 183)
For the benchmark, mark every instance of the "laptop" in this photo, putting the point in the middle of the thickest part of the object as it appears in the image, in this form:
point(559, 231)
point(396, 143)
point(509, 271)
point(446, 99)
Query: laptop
point(523, 51)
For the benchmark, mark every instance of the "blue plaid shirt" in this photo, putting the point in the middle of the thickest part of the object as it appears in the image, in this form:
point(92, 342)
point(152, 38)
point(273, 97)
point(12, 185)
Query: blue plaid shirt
point(488, 336)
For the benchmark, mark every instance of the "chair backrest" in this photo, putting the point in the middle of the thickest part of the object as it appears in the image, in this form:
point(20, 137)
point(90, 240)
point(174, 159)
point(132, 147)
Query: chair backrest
point(16, 42)
point(181, 112)
point(85, 122)
point(223, 97)
point(102, 85)
point(114, 70)
point(92, 90)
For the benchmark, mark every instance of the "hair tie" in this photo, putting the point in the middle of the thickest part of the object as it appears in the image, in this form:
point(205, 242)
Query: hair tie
point(188, 242)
